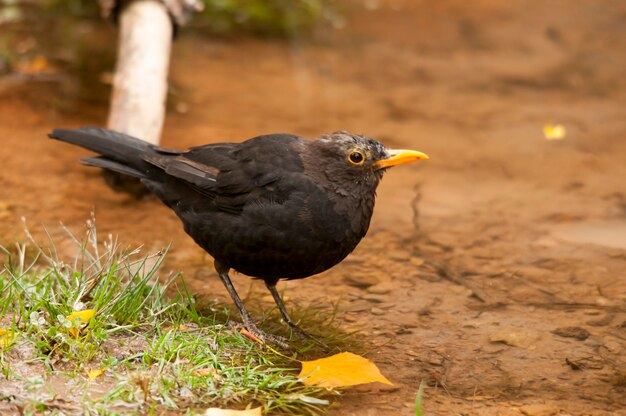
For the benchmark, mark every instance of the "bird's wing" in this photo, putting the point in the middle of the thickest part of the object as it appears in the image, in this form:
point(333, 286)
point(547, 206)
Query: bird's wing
point(201, 176)
point(201, 180)
point(231, 175)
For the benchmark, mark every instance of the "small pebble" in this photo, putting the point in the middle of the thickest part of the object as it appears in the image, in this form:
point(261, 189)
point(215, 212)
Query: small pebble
point(592, 312)
point(612, 345)
point(429, 277)
point(602, 321)
point(374, 298)
point(539, 410)
point(575, 332)
point(516, 337)
point(432, 249)
point(416, 261)
point(593, 342)
point(182, 108)
point(380, 288)
point(362, 280)
point(358, 306)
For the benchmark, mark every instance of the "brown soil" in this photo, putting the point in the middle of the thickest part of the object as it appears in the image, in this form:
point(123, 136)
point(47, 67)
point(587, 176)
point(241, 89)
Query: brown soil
point(474, 257)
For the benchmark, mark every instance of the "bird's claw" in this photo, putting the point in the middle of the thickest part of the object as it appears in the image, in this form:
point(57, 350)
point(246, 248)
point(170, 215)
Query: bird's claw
point(305, 336)
point(262, 336)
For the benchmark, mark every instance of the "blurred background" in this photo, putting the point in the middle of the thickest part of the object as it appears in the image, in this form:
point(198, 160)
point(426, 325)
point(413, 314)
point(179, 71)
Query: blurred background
point(513, 230)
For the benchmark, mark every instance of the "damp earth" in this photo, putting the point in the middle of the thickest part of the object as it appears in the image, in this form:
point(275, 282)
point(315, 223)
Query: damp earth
point(483, 266)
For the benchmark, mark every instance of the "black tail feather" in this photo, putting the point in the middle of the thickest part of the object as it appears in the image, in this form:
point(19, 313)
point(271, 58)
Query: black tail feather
point(118, 152)
point(101, 162)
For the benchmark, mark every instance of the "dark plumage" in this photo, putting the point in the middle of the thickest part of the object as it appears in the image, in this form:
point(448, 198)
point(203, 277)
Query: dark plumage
point(272, 207)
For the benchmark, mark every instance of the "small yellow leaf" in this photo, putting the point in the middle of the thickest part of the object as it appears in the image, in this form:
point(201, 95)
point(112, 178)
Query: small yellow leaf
point(95, 373)
point(81, 318)
point(204, 372)
point(180, 328)
point(214, 411)
point(6, 337)
point(341, 370)
point(554, 131)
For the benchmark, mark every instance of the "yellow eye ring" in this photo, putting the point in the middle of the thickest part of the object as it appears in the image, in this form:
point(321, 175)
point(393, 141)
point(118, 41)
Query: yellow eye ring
point(356, 157)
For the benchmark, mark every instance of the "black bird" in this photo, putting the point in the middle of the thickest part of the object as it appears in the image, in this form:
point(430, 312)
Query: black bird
point(272, 207)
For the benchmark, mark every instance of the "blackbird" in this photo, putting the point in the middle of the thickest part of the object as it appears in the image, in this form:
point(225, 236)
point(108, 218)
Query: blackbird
point(273, 207)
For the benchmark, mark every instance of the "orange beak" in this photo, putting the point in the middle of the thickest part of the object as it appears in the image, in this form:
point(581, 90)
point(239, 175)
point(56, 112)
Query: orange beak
point(399, 157)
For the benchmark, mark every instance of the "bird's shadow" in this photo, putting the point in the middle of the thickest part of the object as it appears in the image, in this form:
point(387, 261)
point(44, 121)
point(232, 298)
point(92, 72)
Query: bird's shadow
point(321, 321)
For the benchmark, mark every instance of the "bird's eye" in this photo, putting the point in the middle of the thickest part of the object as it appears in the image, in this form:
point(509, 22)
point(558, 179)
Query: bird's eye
point(356, 157)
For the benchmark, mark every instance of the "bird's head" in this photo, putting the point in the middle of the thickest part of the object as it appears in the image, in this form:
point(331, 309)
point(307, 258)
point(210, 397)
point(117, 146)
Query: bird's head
point(351, 158)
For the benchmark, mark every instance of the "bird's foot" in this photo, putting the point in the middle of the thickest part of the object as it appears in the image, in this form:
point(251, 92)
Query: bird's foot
point(262, 336)
point(305, 336)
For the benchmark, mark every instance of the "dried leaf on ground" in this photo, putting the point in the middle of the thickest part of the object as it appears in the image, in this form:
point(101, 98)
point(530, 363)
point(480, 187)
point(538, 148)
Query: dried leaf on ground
point(214, 411)
point(341, 370)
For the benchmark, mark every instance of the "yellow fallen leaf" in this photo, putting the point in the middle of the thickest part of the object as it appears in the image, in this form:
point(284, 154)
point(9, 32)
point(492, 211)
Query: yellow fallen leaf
point(554, 131)
point(341, 370)
point(204, 372)
point(6, 337)
point(214, 411)
point(81, 318)
point(180, 328)
point(95, 373)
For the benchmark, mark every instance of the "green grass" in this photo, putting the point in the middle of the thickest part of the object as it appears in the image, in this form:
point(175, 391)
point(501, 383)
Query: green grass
point(161, 351)
point(268, 17)
point(419, 411)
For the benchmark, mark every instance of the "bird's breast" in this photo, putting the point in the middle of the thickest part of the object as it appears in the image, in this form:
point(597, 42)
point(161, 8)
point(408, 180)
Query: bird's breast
point(287, 238)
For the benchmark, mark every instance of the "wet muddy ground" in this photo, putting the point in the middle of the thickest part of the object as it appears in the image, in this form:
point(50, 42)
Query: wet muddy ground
point(495, 271)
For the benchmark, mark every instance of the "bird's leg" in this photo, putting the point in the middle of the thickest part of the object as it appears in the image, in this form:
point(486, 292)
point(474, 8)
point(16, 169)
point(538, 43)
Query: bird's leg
point(245, 316)
point(271, 286)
